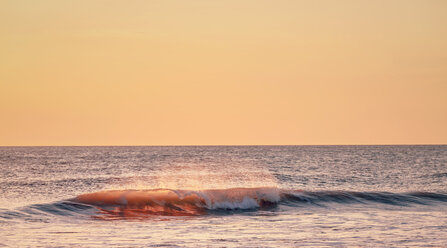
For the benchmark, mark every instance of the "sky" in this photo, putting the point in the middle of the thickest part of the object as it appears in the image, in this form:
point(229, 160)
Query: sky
point(233, 72)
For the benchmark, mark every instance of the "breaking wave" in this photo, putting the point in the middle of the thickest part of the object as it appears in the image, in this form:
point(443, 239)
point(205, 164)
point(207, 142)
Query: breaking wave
point(134, 203)
point(118, 204)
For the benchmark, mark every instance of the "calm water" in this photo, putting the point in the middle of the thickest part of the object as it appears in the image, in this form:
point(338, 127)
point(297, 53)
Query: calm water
point(265, 196)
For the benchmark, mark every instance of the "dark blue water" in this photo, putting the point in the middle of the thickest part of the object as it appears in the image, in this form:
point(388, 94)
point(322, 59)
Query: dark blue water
point(224, 196)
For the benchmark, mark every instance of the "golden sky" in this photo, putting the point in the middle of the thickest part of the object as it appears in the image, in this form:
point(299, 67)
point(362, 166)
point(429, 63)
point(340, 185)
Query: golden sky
point(232, 72)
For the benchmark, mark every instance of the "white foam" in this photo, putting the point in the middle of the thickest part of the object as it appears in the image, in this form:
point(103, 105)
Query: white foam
point(237, 198)
point(246, 203)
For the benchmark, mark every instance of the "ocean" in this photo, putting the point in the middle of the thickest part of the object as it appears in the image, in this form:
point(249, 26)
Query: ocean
point(224, 196)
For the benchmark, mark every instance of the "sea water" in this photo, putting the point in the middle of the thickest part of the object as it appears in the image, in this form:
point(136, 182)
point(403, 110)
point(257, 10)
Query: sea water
point(223, 196)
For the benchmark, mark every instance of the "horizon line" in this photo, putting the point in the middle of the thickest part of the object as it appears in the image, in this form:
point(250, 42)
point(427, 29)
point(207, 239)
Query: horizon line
point(421, 144)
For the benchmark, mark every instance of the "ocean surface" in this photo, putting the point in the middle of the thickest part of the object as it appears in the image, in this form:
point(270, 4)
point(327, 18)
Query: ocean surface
point(223, 196)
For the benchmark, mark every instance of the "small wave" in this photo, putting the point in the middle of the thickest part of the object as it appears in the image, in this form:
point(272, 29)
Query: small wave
point(124, 204)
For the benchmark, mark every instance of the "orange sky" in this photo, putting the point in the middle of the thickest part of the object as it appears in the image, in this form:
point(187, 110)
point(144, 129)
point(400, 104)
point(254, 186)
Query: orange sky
point(233, 72)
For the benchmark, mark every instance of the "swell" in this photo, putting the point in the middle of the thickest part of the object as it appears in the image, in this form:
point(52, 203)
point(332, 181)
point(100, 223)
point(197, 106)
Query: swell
point(40, 212)
point(321, 198)
point(118, 204)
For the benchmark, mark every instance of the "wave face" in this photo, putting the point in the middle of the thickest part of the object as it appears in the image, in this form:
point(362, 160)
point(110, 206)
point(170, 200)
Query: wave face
point(136, 203)
point(166, 202)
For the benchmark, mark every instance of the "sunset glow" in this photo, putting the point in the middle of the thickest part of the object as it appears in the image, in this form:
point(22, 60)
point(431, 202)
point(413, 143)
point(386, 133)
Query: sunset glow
point(223, 72)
